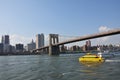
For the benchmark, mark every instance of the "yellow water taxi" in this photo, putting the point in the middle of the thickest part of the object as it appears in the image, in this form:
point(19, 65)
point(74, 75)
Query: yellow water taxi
point(91, 58)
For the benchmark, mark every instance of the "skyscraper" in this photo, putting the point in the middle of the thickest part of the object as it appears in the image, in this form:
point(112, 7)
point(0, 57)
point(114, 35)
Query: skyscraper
point(1, 47)
point(6, 43)
point(88, 44)
point(42, 40)
point(19, 47)
point(5, 39)
point(39, 40)
point(31, 46)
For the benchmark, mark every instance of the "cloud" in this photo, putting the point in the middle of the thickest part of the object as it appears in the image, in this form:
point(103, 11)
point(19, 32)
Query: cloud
point(15, 39)
point(114, 39)
point(103, 28)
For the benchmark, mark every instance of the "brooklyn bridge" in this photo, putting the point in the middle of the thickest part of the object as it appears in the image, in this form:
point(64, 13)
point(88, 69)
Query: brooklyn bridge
point(53, 47)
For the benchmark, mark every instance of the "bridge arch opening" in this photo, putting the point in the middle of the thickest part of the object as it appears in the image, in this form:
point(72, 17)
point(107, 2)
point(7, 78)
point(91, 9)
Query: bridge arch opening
point(53, 39)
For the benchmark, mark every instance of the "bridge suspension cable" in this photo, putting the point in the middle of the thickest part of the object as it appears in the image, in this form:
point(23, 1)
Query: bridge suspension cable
point(66, 37)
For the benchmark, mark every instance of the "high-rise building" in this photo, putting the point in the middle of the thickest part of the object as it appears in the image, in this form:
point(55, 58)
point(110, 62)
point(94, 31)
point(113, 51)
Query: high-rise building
point(31, 46)
point(88, 44)
point(6, 43)
point(5, 39)
point(39, 40)
point(42, 40)
point(84, 48)
point(1, 47)
point(2, 41)
point(19, 47)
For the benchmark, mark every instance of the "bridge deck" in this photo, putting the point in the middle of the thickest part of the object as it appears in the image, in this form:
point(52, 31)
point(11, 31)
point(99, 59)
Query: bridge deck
point(97, 35)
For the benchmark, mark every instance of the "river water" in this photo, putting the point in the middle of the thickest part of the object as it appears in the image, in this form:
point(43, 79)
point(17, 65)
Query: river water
point(63, 67)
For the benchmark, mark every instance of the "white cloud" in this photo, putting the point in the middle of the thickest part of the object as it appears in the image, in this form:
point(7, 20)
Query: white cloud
point(15, 39)
point(103, 39)
point(103, 28)
point(114, 39)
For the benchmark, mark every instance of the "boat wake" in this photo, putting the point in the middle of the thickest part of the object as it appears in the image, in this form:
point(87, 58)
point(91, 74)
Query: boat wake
point(112, 60)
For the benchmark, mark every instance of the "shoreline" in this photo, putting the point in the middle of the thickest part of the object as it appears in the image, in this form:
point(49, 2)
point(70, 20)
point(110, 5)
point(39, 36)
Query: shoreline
point(18, 53)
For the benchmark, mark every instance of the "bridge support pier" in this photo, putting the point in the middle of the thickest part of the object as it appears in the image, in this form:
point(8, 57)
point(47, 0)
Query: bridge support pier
point(53, 39)
point(54, 50)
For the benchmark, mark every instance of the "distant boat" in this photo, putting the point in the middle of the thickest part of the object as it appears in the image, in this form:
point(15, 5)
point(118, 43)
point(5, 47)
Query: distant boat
point(105, 54)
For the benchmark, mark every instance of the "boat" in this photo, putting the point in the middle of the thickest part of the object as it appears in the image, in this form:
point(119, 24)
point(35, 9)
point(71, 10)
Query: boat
point(89, 57)
point(105, 55)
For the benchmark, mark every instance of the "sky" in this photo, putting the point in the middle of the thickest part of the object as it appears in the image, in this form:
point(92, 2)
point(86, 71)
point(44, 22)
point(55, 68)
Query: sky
point(23, 19)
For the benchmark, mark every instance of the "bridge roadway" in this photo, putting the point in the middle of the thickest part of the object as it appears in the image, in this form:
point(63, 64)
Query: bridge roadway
point(97, 35)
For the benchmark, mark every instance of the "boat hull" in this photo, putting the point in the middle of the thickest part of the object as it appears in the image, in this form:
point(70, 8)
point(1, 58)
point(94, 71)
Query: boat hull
point(91, 59)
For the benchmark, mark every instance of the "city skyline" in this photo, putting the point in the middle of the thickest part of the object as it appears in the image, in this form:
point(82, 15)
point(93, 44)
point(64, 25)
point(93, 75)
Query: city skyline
point(5, 46)
point(23, 19)
point(16, 39)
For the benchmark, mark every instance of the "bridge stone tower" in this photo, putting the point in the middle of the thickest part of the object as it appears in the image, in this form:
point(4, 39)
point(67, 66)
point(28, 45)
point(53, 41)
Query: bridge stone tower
point(53, 49)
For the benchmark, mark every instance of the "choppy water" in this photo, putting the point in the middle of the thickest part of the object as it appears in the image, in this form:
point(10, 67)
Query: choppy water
point(63, 67)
